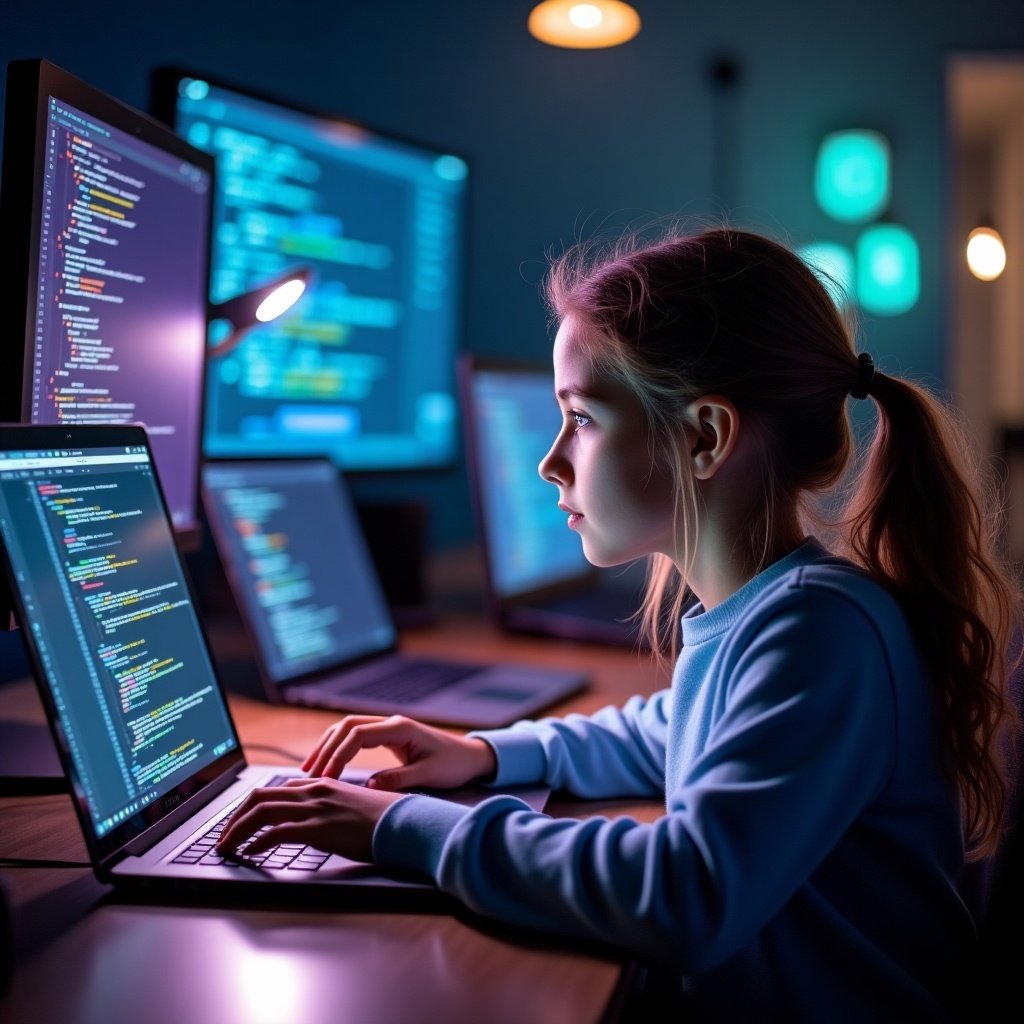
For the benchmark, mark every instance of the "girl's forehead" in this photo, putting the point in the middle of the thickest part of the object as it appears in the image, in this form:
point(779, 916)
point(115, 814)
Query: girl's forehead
point(573, 366)
point(578, 374)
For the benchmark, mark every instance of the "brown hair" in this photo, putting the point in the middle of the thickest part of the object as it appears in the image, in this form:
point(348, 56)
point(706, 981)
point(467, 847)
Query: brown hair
point(737, 314)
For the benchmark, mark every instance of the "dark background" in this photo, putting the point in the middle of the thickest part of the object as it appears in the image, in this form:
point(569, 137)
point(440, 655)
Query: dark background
point(565, 142)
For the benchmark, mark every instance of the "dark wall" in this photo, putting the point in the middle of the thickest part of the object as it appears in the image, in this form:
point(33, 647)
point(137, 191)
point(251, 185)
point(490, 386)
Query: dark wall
point(564, 142)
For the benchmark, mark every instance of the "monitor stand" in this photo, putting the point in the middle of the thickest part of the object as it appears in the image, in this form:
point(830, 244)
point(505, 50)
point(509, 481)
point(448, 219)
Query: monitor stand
point(28, 760)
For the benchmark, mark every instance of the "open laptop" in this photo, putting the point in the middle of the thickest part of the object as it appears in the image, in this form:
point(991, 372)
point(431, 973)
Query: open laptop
point(536, 575)
point(296, 558)
point(136, 709)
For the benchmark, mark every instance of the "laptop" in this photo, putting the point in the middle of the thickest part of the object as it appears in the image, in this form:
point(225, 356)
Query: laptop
point(537, 578)
point(137, 712)
point(323, 635)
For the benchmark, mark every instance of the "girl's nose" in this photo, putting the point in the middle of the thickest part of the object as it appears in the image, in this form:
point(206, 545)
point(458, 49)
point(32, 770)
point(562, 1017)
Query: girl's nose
point(554, 467)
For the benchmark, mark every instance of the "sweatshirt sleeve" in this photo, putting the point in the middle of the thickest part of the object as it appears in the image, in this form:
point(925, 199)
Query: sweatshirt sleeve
point(616, 752)
point(804, 741)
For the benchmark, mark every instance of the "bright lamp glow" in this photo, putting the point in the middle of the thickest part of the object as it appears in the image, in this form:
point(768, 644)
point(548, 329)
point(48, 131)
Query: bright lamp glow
point(833, 265)
point(852, 175)
point(280, 300)
point(986, 254)
point(888, 270)
point(583, 25)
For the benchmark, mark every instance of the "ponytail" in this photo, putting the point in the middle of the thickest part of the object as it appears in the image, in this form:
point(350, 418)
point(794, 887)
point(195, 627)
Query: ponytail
point(964, 605)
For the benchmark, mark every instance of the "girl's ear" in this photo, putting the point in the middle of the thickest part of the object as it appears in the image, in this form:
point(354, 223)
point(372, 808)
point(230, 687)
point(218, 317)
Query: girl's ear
point(713, 425)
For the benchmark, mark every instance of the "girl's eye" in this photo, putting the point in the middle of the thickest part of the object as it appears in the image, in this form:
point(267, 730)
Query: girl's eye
point(580, 419)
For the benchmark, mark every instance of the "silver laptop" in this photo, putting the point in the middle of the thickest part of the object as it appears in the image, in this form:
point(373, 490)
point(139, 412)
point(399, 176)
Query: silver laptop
point(136, 709)
point(537, 577)
point(303, 577)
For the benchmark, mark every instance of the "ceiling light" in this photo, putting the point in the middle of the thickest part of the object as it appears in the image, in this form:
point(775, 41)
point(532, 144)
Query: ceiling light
point(588, 25)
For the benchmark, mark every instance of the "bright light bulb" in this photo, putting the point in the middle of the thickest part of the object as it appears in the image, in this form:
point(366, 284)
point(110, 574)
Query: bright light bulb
point(280, 300)
point(583, 25)
point(986, 254)
point(585, 16)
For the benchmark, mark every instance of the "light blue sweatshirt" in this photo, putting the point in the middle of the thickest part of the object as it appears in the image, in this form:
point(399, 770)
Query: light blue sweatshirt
point(805, 866)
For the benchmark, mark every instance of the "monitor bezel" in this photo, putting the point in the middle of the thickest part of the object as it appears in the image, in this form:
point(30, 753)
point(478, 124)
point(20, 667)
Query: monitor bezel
point(164, 80)
point(30, 83)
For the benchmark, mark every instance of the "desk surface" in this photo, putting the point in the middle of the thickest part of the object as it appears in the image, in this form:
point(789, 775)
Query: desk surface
point(81, 956)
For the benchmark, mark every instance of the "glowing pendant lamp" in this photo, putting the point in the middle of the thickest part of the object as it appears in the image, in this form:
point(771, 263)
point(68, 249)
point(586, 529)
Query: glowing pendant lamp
point(583, 25)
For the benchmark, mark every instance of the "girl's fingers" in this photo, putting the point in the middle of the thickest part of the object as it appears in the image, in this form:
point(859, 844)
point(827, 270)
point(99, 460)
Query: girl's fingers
point(334, 735)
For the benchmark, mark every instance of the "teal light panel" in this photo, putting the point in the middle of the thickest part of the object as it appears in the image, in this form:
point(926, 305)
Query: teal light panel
point(888, 269)
point(852, 175)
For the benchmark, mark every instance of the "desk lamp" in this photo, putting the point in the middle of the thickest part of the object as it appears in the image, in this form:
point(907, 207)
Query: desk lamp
point(260, 305)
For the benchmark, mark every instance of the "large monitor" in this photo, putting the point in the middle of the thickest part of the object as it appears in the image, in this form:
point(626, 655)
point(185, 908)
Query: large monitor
point(362, 368)
point(105, 217)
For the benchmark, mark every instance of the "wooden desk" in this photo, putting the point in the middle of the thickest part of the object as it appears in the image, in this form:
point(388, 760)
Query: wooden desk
point(82, 957)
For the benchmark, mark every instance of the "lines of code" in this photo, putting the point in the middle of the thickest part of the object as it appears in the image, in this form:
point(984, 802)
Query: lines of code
point(360, 367)
point(120, 318)
point(300, 626)
point(101, 209)
point(134, 615)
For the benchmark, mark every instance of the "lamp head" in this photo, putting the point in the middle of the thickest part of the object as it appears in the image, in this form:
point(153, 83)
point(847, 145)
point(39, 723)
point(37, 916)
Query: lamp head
point(259, 305)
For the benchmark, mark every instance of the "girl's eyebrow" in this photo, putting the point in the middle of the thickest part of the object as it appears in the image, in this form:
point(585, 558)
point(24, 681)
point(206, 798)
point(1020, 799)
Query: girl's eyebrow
point(576, 391)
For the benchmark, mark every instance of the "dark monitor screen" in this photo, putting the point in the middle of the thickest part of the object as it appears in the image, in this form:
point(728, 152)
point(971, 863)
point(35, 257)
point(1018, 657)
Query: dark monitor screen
point(106, 218)
point(362, 368)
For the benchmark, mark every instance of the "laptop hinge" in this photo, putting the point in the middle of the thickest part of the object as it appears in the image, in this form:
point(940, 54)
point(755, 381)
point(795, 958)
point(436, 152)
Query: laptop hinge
point(161, 829)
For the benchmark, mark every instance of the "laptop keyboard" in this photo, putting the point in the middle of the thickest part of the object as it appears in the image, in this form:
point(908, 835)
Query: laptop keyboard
point(412, 680)
point(286, 856)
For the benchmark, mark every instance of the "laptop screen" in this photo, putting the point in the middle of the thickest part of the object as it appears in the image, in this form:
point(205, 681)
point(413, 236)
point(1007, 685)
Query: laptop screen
point(290, 539)
point(109, 620)
point(512, 419)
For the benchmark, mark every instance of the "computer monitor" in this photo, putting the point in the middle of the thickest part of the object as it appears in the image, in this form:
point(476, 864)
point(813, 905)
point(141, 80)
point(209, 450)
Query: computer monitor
point(105, 216)
point(362, 368)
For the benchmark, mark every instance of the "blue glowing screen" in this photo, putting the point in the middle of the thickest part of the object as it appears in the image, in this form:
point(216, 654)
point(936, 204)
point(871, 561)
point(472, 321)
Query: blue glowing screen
point(362, 367)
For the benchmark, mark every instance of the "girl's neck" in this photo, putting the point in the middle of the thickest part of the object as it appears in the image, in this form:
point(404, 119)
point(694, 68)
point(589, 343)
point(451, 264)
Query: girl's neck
point(724, 562)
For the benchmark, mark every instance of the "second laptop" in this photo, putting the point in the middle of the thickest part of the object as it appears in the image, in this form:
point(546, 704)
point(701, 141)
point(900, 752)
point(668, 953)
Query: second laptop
point(289, 538)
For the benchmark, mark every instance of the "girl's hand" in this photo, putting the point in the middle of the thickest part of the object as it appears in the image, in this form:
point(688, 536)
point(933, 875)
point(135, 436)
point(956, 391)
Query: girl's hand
point(333, 816)
point(429, 756)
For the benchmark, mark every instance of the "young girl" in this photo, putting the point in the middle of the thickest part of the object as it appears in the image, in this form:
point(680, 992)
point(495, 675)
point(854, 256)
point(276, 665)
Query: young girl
point(828, 748)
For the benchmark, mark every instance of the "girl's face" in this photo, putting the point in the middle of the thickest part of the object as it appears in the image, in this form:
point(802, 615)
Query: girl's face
point(614, 495)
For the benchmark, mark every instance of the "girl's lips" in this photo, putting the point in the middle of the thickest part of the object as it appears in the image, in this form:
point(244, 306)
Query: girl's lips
point(574, 517)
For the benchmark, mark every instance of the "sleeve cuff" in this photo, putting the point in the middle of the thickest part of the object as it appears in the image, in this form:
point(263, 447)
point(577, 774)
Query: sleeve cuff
point(520, 756)
point(412, 832)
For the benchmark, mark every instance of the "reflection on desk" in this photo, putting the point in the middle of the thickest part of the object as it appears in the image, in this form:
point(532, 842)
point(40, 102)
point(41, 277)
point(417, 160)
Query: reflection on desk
point(82, 957)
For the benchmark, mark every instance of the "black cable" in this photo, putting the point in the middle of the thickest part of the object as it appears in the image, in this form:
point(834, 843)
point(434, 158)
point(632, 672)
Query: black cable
point(32, 862)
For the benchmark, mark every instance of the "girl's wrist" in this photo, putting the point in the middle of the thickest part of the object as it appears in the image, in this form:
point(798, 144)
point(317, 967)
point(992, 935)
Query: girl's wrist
point(487, 760)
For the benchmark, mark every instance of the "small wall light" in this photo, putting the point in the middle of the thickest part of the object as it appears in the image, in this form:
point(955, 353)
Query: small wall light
point(852, 175)
point(986, 253)
point(888, 269)
point(583, 25)
point(237, 315)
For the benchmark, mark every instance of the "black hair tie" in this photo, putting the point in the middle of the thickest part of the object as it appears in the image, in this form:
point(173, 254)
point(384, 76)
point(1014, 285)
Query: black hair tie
point(865, 376)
